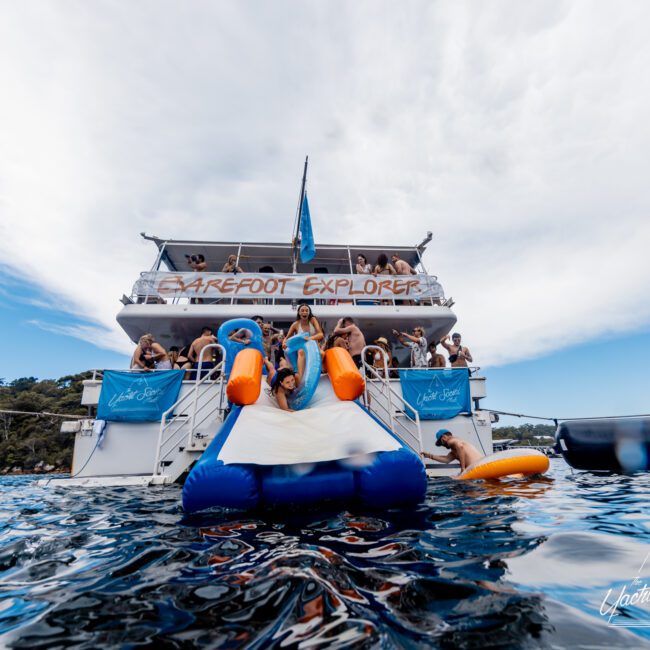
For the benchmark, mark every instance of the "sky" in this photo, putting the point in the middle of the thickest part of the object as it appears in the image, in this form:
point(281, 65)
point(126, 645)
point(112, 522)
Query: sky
point(517, 133)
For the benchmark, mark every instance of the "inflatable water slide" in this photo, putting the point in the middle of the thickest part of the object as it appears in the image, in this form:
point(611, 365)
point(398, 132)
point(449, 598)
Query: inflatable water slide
point(330, 448)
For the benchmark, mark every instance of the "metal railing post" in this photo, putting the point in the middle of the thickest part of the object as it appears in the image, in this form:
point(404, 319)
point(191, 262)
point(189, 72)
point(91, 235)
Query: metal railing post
point(198, 381)
point(156, 466)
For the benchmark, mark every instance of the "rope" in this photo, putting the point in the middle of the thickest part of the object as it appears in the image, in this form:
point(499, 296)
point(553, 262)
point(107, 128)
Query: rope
point(45, 413)
point(556, 420)
point(478, 436)
point(87, 459)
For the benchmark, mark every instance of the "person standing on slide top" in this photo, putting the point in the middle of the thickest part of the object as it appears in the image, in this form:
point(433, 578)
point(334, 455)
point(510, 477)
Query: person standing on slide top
point(305, 322)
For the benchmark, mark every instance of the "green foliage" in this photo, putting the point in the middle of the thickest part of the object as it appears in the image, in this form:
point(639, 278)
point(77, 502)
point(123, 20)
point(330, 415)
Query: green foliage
point(26, 440)
point(526, 433)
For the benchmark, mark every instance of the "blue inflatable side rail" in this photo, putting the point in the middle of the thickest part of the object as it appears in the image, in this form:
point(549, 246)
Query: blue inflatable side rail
point(302, 395)
point(233, 347)
point(391, 479)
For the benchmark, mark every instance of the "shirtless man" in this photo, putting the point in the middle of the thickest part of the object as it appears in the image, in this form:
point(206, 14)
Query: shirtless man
point(356, 339)
point(401, 266)
point(197, 262)
point(206, 338)
point(436, 360)
point(244, 335)
point(460, 450)
point(459, 355)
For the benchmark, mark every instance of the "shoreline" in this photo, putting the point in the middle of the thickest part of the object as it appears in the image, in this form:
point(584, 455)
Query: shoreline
point(35, 472)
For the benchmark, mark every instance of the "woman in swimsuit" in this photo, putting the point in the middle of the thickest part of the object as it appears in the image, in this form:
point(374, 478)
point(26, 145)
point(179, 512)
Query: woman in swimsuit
point(284, 381)
point(363, 268)
point(384, 267)
point(306, 322)
point(231, 265)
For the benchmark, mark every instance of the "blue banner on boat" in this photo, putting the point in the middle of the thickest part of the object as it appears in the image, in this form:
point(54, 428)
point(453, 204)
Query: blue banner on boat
point(138, 397)
point(437, 394)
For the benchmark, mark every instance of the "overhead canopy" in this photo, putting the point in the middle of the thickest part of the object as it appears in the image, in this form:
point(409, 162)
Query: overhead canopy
point(255, 257)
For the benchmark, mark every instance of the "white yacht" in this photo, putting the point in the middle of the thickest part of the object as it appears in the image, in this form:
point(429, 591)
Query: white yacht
point(173, 302)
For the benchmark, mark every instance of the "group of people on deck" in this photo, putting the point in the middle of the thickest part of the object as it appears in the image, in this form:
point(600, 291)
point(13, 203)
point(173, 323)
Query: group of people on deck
point(283, 379)
point(150, 354)
point(382, 266)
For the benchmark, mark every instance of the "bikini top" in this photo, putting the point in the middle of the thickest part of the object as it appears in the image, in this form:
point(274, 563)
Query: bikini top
point(311, 329)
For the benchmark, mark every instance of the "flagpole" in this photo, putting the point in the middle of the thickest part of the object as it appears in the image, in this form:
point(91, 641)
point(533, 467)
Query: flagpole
point(302, 198)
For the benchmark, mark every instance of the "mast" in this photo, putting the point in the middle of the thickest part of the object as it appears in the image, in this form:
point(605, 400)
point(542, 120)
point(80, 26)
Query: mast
point(296, 234)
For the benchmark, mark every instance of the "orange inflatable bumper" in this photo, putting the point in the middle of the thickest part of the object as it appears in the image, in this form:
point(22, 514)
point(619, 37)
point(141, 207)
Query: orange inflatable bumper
point(245, 380)
point(347, 382)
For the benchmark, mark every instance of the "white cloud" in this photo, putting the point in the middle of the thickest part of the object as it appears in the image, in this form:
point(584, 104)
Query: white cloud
point(517, 132)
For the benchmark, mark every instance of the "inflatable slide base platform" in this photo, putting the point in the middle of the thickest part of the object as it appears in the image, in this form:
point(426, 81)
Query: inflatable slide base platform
point(333, 451)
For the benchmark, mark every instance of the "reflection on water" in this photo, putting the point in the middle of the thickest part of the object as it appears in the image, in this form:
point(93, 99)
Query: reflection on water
point(511, 564)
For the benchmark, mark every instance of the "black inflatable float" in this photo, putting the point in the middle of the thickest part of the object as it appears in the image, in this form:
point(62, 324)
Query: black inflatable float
point(609, 444)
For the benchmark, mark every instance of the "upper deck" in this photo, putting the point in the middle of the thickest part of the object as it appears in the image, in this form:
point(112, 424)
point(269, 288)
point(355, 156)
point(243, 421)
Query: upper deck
point(172, 300)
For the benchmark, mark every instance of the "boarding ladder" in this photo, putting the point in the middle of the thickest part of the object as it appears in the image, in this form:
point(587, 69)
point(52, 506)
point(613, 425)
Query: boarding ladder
point(385, 403)
point(180, 440)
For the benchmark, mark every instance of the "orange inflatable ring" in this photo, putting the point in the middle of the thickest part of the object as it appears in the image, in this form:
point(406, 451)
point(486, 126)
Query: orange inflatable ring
point(344, 375)
point(245, 380)
point(506, 463)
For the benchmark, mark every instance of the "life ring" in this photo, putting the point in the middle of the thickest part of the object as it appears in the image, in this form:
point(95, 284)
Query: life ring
point(506, 463)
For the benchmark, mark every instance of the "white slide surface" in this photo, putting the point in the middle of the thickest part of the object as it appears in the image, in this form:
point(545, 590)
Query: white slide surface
point(329, 429)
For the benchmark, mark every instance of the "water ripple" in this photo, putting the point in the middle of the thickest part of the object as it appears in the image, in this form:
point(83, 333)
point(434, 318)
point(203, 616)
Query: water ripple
point(513, 564)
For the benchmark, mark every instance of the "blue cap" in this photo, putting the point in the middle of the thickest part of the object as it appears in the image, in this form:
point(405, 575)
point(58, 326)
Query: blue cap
point(439, 434)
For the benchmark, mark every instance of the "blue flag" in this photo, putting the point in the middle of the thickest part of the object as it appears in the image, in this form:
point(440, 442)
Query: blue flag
point(307, 245)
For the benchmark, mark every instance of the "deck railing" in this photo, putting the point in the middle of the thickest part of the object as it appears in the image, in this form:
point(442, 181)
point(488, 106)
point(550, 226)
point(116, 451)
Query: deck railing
point(388, 405)
point(201, 410)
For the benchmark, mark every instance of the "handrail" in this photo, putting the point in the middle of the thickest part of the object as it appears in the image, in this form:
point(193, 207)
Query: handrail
point(390, 394)
point(470, 368)
point(197, 379)
point(193, 394)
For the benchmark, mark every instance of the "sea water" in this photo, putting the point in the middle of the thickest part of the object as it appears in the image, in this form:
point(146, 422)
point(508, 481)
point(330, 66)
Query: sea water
point(512, 564)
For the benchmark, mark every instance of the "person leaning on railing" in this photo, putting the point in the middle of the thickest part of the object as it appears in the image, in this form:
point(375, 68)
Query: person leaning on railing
point(362, 267)
point(231, 265)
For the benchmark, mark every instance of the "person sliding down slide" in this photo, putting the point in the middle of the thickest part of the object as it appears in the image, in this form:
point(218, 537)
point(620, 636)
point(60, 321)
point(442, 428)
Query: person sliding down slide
point(284, 381)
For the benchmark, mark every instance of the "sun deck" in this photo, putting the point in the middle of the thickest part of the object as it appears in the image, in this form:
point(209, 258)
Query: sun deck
point(173, 301)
